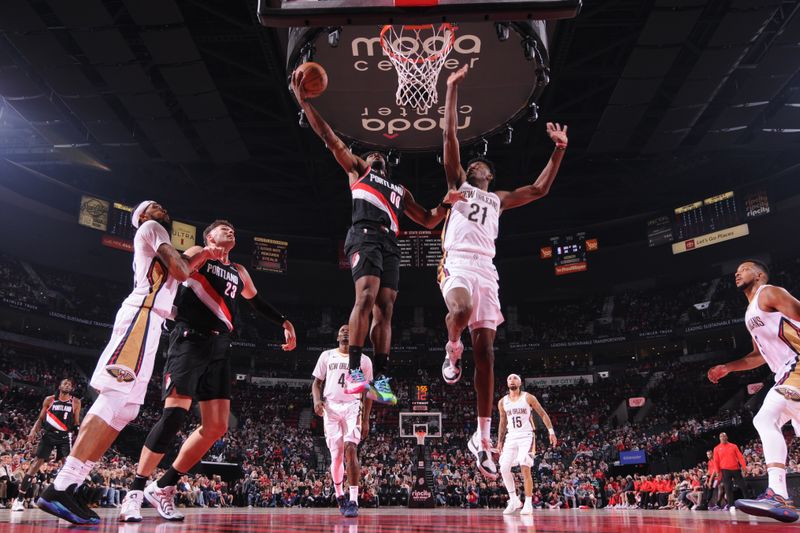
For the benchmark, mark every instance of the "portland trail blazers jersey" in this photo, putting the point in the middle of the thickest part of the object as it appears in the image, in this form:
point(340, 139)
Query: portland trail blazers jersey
point(377, 200)
point(59, 418)
point(207, 300)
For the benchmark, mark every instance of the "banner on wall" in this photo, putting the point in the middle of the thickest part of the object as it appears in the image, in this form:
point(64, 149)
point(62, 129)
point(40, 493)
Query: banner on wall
point(558, 381)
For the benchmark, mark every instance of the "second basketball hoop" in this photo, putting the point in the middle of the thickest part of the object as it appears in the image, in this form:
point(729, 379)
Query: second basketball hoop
point(418, 53)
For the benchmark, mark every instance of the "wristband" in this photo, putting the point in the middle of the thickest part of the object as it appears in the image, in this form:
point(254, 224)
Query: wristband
point(551, 431)
point(561, 146)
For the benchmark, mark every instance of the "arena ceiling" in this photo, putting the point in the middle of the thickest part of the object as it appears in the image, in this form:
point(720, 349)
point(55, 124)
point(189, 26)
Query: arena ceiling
point(186, 101)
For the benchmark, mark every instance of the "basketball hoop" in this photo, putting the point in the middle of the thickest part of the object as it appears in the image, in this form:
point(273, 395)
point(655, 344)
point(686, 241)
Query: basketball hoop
point(418, 53)
point(421, 431)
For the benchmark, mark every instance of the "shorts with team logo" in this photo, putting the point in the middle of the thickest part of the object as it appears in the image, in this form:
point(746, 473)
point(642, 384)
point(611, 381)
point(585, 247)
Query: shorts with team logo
point(60, 442)
point(342, 422)
point(518, 451)
point(373, 251)
point(478, 276)
point(197, 364)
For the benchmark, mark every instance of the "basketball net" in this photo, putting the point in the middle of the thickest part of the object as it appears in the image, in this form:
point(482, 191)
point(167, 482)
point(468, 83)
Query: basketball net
point(418, 53)
point(421, 434)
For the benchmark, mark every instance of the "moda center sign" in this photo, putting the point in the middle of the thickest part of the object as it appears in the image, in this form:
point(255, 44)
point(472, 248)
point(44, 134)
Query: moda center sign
point(360, 102)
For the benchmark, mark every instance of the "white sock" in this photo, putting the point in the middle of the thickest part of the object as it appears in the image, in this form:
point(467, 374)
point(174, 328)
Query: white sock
point(777, 480)
point(69, 474)
point(354, 493)
point(485, 427)
point(86, 470)
point(339, 488)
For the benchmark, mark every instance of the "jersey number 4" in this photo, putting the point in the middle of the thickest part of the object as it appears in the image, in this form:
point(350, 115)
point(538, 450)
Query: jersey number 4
point(473, 214)
point(341, 380)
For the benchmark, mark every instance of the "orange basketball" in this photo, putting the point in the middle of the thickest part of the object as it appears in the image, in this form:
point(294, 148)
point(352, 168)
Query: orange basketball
point(315, 79)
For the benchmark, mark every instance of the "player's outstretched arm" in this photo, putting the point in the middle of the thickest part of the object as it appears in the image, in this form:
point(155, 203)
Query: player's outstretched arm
point(430, 218)
point(750, 361)
point(181, 266)
point(351, 163)
point(541, 187)
point(37, 426)
point(76, 410)
point(250, 293)
point(453, 170)
point(533, 401)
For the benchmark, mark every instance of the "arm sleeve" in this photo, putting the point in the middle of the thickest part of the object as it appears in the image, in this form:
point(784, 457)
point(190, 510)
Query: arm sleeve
point(153, 234)
point(321, 370)
point(266, 309)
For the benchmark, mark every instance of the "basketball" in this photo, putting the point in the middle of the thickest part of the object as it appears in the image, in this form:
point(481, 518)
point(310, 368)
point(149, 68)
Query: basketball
point(315, 79)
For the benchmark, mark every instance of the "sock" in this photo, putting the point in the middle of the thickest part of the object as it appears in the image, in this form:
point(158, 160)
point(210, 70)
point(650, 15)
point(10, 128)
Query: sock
point(355, 356)
point(23, 488)
point(381, 364)
point(485, 427)
point(86, 470)
point(339, 488)
point(508, 481)
point(170, 478)
point(354, 494)
point(139, 482)
point(777, 480)
point(70, 474)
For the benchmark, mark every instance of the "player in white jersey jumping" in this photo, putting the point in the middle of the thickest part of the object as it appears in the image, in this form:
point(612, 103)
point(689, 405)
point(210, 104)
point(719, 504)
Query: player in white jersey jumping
point(345, 416)
point(516, 440)
point(467, 276)
point(773, 319)
point(125, 366)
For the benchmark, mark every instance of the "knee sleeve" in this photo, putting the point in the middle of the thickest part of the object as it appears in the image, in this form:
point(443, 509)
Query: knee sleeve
point(113, 408)
point(163, 433)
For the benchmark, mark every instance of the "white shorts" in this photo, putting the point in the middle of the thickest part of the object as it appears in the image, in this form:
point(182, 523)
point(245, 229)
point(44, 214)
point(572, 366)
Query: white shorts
point(478, 276)
point(133, 346)
point(518, 451)
point(342, 423)
point(778, 407)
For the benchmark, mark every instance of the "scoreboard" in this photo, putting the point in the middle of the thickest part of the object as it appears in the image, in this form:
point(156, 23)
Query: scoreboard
point(119, 221)
point(420, 249)
point(270, 255)
point(709, 220)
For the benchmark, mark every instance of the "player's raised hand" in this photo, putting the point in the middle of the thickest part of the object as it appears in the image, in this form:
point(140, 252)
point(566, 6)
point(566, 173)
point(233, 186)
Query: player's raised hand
point(558, 134)
point(319, 408)
point(453, 196)
point(716, 373)
point(553, 440)
point(458, 76)
point(215, 253)
point(291, 337)
point(297, 86)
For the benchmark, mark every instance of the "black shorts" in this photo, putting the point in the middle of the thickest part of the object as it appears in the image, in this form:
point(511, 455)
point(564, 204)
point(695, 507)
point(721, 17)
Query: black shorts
point(50, 440)
point(197, 365)
point(373, 251)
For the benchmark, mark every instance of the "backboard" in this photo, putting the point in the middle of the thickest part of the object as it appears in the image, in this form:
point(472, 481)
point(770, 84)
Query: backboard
point(410, 421)
point(509, 69)
point(319, 13)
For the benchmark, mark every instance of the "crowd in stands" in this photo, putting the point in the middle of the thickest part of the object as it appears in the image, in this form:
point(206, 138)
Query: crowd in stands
point(629, 312)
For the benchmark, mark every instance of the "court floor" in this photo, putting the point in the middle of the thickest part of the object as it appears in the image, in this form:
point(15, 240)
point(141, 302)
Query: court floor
point(401, 520)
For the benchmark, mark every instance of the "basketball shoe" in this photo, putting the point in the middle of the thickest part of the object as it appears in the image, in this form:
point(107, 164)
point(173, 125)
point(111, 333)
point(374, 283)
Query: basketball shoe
point(131, 510)
point(163, 500)
point(380, 391)
point(771, 505)
point(355, 382)
point(451, 368)
point(63, 504)
point(482, 452)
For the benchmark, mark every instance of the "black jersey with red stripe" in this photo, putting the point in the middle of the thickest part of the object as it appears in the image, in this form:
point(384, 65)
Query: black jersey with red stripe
point(59, 417)
point(207, 300)
point(377, 200)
